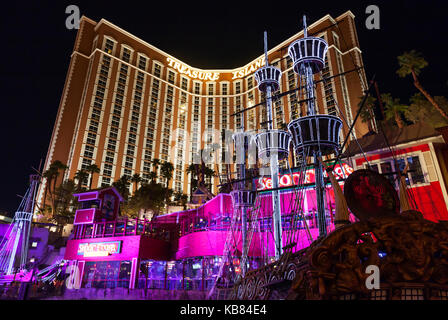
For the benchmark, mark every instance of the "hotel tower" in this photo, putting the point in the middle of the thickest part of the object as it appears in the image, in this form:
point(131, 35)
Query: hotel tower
point(126, 102)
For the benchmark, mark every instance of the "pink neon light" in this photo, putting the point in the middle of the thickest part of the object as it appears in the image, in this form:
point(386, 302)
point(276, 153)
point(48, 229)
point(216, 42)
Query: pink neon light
point(99, 249)
point(286, 180)
point(87, 196)
point(85, 216)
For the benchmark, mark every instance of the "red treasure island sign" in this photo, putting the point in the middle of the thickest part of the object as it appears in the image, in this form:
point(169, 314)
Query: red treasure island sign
point(285, 180)
point(99, 249)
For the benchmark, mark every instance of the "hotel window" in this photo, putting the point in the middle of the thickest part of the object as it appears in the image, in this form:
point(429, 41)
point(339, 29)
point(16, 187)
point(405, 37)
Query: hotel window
point(105, 182)
point(378, 295)
point(250, 83)
point(157, 70)
point(130, 151)
point(88, 151)
point(211, 89)
point(171, 76)
point(224, 89)
point(142, 62)
point(197, 88)
point(440, 293)
point(293, 105)
point(93, 126)
point(328, 89)
point(127, 173)
point(412, 294)
point(336, 40)
point(237, 87)
point(85, 164)
point(184, 84)
point(91, 138)
point(126, 54)
point(109, 159)
point(109, 46)
point(345, 95)
point(350, 296)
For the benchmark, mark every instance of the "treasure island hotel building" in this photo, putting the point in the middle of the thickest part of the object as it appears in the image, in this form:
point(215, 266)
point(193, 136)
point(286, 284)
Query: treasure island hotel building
point(124, 101)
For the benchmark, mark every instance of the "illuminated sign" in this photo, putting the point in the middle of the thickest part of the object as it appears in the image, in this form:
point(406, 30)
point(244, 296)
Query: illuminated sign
point(213, 76)
point(192, 73)
point(249, 69)
point(99, 249)
point(286, 180)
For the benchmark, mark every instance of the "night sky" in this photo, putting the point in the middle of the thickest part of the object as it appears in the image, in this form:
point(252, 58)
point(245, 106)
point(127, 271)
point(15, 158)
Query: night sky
point(36, 48)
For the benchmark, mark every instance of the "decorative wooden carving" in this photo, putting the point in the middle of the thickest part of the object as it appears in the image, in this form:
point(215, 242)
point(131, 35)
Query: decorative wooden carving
point(369, 194)
point(407, 249)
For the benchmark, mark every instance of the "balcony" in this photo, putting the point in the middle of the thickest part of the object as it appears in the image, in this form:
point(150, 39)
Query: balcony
point(119, 228)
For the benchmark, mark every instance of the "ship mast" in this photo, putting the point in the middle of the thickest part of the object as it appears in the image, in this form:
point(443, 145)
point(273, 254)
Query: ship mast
point(273, 145)
point(315, 134)
point(14, 247)
point(242, 198)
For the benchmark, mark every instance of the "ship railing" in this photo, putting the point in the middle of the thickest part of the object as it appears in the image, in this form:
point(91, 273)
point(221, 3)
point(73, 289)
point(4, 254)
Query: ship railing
point(119, 228)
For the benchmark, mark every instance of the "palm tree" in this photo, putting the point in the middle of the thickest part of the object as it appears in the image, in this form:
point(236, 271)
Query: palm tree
point(208, 174)
point(367, 113)
point(136, 179)
point(421, 110)
point(81, 176)
point(122, 185)
point(50, 175)
point(166, 170)
point(393, 109)
point(152, 176)
point(93, 168)
point(59, 166)
point(412, 63)
point(156, 163)
point(193, 170)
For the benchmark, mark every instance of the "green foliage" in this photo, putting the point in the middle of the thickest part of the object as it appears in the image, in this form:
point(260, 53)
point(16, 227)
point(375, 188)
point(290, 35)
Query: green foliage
point(92, 169)
point(393, 109)
point(122, 186)
point(152, 196)
point(166, 170)
point(421, 110)
point(367, 113)
point(411, 62)
point(81, 176)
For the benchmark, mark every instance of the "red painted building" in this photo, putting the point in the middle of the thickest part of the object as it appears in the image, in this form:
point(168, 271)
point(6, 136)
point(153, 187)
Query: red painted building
point(425, 150)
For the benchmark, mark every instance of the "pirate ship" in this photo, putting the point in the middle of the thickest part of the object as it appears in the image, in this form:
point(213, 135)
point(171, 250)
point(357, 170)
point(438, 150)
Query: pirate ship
point(274, 235)
point(382, 229)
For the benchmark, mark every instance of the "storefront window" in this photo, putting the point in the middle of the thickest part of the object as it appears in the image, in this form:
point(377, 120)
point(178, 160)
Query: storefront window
point(156, 272)
point(106, 274)
point(211, 271)
point(193, 274)
point(174, 270)
point(152, 274)
point(125, 274)
point(386, 169)
point(373, 167)
point(416, 170)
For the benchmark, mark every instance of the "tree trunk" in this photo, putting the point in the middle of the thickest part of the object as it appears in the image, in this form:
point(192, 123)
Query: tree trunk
point(45, 192)
point(428, 96)
point(91, 181)
point(398, 120)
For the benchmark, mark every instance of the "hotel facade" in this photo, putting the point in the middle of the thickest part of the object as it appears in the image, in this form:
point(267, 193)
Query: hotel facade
point(126, 102)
